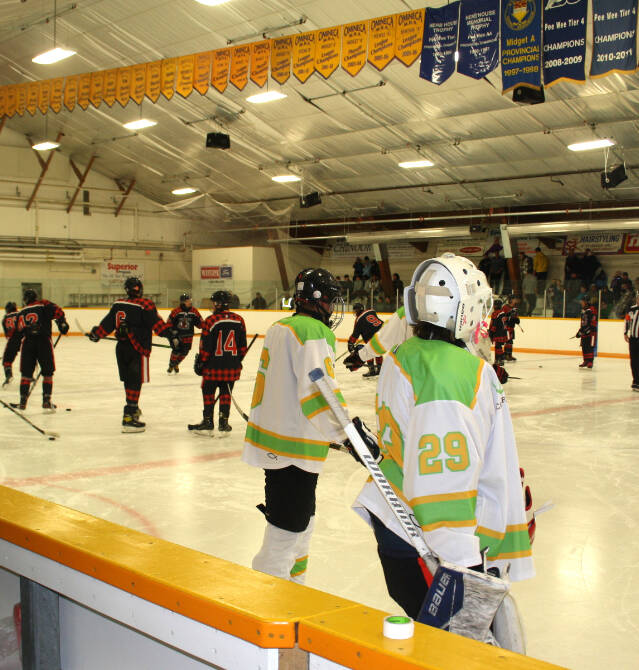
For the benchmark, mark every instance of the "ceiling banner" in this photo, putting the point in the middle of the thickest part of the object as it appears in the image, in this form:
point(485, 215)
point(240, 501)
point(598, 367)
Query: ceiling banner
point(281, 50)
point(327, 51)
point(260, 54)
point(521, 44)
point(97, 88)
point(240, 57)
point(33, 89)
point(84, 90)
point(439, 44)
point(408, 41)
point(220, 60)
point(304, 55)
point(12, 101)
point(153, 80)
point(71, 92)
point(167, 77)
point(565, 42)
point(614, 41)
point(354, 46)
point(478, 41)
point(123, 86)
point(44, 96)
point(3, 100)
point(21, 99)
point(110, 87)
point(55, 96)
point(138, 83)
point(381, 41)
point(201, 71)
point(184, 75)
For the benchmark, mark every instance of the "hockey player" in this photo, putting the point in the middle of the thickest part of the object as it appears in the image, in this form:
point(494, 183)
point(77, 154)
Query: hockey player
point(134, 319)
point(511, 320)
point(449, 452)
point(367, 323)
point(183, 321)
point(498, 331)
point(290, 425)
point(12, 346)
point(219, 363)
point(631, 335)
point(33, 323)
point(587, 332)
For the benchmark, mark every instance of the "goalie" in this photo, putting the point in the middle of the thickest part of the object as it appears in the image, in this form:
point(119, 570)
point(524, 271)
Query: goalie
point(449, 452)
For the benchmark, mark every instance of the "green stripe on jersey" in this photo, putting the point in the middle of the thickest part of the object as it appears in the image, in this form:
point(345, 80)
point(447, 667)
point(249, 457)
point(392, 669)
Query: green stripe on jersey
point(446, 512)
point(317, 403)
point(286, 446)
point(307, 328)
point(439, 370)
point(514, 542)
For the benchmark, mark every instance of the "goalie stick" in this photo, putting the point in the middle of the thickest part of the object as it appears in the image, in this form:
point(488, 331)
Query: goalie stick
point(47, 433)
point(115, 339)
point(237, 407)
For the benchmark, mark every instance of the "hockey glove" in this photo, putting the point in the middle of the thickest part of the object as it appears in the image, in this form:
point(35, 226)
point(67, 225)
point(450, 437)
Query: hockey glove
point(502, 375)
point(353, 361)
point(350, 346)
point(198, 365)
point(93, 335)
point(369, 440)
point(63, 326)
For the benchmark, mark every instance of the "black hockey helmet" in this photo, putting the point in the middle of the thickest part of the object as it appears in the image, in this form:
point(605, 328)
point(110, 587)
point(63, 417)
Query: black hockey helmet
point(221, 300)
point(29, 296)
point(10, 307)
point(585, 298)
point(497, 303)
point(184, 297)
point(318, 294)
point(358, 308)
point(133, 287)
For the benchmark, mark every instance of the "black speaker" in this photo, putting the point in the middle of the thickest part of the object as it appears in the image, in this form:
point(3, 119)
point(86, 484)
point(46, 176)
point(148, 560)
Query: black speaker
point(613, 177)
point(528, 96)
point(218, 141)
point(310, 200)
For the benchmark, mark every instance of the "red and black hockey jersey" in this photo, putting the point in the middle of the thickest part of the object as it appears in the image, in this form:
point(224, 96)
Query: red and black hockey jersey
point(133, 319)
point(588, 325)
point(511, 319)
point(223, 346)
point(9, 324)
point(366, 325)
point(35, 319)
point(185, 321)
point(498, 330)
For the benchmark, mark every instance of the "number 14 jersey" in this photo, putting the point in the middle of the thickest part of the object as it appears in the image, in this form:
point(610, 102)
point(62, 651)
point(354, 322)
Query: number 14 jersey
point(223, 346)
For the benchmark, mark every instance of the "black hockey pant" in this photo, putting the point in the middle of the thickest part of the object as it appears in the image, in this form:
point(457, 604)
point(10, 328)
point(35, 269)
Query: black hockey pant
point(289, 494)
point(36, 350)
point(133, 368)
point(588, 348)
point(10, 352)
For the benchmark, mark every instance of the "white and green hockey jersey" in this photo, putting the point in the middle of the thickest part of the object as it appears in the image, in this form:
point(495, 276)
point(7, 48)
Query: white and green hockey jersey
point(290, 422)
point(449, 453)
point(393, 332)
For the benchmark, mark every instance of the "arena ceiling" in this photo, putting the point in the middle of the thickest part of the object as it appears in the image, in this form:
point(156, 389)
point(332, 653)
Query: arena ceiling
point(344, 135)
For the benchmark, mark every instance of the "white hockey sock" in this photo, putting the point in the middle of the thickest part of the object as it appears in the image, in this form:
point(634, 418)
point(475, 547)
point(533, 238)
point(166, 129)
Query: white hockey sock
point(277, 554)
point(298, 571)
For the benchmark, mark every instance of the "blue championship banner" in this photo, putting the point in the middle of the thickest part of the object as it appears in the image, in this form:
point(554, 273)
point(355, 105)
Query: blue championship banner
point(565, 41)
point(478, 45)
point(614, 41)
point(439, 43)
point(521, 44)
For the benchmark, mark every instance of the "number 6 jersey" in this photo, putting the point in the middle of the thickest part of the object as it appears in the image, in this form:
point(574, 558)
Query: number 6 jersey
point(449, 453)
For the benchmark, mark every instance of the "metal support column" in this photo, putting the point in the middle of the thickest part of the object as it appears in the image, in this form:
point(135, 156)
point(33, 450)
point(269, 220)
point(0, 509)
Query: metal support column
point(40, 627)
point(81, 179)
point(45, 166)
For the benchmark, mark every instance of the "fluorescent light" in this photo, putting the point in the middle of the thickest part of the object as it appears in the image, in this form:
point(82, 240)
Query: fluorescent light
point(184, 191)
point(52, 56)
point(45, 146)
point(593, 144)
point(285, 178)
point(211, 3)
point(139, 124)
point(266, 96)
point(416, 164)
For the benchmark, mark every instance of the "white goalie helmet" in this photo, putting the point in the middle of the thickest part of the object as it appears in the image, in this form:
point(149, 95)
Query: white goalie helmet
point(449, 291)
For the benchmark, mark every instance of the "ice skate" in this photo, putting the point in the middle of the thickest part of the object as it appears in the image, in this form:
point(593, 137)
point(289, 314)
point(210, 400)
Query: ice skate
point(129, 423)
point(205, 427)
point(224, 425)
point(47, 405)
point(583, 365)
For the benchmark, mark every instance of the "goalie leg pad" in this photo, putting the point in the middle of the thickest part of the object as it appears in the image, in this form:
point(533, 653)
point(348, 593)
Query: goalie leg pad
point(507, 627)
point(463, 601)
point(277, 553)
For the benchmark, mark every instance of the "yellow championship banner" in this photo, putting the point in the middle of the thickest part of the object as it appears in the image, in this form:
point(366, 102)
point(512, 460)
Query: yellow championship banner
point(84, 90)
point(327, 50)
point(21, 99)
point(153, 80)
point(138, 83)
point(220, 69)
point(3, 100)
point(409, 34)
point(304, 55)
point(110, 87)
point(97, 88)
point(260, 53)
point(381, 41)
point(184, 75)
point(71, 92)
point(354, 47)
point(12, 101)
point(167, 77)
point(55, 96)
point(201, 71)
point(44, 96)
point(123, 86)
point(33, 89)
point(281, 50)
point(240, 57)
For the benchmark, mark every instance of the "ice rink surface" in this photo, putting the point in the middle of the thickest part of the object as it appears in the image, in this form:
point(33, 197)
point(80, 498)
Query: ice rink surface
point(577, 434)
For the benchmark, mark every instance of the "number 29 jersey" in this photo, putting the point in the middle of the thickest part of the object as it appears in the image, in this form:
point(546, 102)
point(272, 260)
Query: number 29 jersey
point(223, 346)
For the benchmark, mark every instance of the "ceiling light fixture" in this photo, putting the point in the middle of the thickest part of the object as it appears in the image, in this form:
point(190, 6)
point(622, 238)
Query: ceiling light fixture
point(592, 144)
point(211, 3)
point(416, 164)
point(266, 96)
point(57, 53)
point(139, 124)
point(186, 190)
point(286, 178)
point(45, 146)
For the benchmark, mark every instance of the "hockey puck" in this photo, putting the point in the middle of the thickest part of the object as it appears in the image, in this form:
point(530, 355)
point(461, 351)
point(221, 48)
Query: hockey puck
point(541, 366)
point(52, 438)
point(68, 409)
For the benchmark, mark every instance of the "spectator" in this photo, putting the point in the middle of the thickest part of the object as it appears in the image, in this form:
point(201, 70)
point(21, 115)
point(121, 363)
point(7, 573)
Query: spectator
point(258, 301)
point(572, 272)
point(607, 301)
point(601, 278)
point(366, 272)
point(358, 267)
point(555, 297)
point(338, 279)
point(484, 265)
point(375, 271)
point(347, 286)
point(398, 286)
point(626, 300)
point(388, 306)
point(497, 267)
point(593, 295)
point(358, 287)
point(495, 246)
point(234, 303)
point(589, 266)
point(540, 268)
point(525, 264)
point(529, 289)
point(615, 285)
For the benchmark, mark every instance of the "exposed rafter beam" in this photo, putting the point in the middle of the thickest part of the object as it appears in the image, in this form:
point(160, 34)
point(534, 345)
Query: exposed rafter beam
point(81, 179)
point(45, 166)
point(125, 194)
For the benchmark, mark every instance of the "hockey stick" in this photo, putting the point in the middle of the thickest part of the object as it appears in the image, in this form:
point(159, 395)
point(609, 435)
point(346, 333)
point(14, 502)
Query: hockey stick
point(348, 351)
point(115, 339)
point(237, 407)
point(47, 433)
